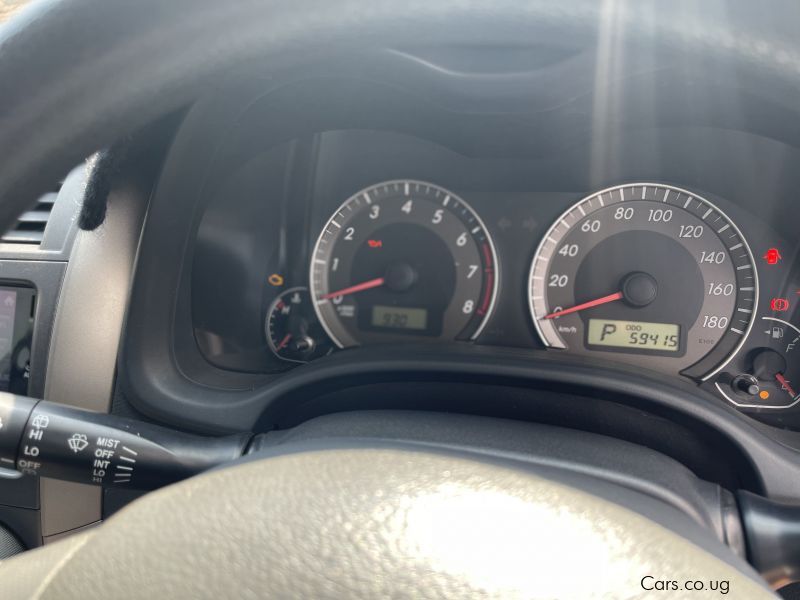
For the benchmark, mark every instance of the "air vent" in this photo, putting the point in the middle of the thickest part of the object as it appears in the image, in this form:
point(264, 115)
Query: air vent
point(29, 229)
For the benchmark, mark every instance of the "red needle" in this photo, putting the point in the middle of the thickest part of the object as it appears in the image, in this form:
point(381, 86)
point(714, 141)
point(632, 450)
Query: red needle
point(284, 341)
point(367, 285)
point(585, 305)
point(785, 384)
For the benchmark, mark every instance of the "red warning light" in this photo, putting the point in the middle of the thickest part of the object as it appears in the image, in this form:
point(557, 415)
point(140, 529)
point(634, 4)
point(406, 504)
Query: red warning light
point(375, 243)
point(772, 256)
point(779, 304)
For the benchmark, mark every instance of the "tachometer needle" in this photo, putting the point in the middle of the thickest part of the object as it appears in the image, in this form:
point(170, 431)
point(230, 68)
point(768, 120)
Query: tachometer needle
point(353, 289)
point(585, 305)
point(785, 384)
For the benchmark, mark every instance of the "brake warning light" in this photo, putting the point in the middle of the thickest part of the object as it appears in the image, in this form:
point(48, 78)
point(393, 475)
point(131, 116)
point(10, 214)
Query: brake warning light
point(779, 304)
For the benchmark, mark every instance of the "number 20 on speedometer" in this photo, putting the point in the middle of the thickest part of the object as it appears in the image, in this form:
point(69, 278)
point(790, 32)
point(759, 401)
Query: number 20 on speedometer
point(649, 270)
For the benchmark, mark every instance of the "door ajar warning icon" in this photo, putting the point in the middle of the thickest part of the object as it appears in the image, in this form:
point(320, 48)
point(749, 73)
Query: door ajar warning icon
point(772, 256)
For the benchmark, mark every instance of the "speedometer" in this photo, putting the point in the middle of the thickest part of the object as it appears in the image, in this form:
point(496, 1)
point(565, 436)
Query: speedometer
point(655, 274)
point(403, 261)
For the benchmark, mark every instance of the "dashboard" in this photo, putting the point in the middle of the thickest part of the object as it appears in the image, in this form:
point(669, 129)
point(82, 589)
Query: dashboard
point(541, 229)
point(483, 230)
point(383, 229)
point(566, 237)
point(367, 238)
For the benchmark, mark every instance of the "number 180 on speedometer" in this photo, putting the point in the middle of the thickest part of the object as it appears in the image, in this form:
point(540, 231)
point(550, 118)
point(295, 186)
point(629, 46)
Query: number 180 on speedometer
point(650, 270)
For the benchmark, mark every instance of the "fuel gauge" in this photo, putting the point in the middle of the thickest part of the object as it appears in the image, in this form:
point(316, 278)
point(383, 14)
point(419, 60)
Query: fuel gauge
point(293, 331)
point(773, 377)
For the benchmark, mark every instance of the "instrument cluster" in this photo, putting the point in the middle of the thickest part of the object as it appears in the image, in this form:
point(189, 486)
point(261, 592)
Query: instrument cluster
point(659, 276)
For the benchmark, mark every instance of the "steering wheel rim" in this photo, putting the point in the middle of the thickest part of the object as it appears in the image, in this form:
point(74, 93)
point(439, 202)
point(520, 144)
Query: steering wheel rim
point(102, 68)
point(365, 522)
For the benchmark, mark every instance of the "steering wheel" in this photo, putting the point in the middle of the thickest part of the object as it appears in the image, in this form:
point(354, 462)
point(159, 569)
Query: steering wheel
point(341, 517)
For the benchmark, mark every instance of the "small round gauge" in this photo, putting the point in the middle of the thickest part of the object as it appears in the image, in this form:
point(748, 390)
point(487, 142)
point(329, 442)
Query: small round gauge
point(403, 261)
point(293, 331)
point(772, 379)
point(656, 274)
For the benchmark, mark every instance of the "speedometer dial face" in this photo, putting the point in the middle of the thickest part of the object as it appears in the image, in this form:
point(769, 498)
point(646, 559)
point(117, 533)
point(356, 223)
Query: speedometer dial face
point(403, 261)
point(656, 274)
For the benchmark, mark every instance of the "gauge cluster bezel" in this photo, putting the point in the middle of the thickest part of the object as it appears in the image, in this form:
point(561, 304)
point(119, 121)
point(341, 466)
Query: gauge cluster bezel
point(162, 364)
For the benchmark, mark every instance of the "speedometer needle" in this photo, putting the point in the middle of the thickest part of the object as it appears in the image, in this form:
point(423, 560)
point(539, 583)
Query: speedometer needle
point(785, 384)
point(585, 305)
point(353, 289)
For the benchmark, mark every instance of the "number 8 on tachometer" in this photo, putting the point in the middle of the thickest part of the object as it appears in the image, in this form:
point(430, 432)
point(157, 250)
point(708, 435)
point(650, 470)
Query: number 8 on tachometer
point(403, 261)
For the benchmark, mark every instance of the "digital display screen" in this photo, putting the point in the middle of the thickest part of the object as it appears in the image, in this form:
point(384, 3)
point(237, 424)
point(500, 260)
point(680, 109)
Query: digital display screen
point(664, 337)
point(399, 318)
point(16, 332)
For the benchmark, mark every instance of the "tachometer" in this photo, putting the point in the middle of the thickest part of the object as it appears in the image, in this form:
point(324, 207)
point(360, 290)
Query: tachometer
point(400, 261)
point(650, 271)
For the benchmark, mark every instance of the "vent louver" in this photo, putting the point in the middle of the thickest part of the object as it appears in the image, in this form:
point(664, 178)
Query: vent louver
point(29, 229)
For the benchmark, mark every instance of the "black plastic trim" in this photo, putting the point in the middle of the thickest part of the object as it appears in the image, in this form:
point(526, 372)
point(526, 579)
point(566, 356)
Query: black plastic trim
point(772, 535)
point(775, 466)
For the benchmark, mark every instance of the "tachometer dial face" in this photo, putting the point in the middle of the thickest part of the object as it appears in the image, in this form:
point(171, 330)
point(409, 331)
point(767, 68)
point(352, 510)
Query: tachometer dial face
point(403, 261)
point(654, 273)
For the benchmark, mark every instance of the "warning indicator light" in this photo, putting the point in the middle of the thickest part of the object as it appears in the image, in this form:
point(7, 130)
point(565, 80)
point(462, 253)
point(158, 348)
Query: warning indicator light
point(375, 243)
point(763, 394)
point(779, 304)
point(275, 280)
point(773, 256)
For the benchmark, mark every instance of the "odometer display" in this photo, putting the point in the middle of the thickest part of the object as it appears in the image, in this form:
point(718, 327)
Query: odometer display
point(403, 261)
point(399, 318)
point(650, 256)
point(634, 335)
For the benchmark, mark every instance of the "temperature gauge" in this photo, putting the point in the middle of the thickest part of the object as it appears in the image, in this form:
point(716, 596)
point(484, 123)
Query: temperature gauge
point(293, 331)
